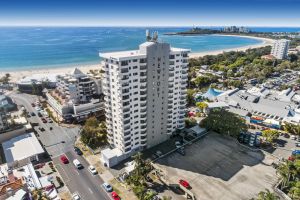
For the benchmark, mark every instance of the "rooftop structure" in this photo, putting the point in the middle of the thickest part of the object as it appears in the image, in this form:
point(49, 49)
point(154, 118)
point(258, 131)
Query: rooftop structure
point(22, 149)
point(268, 104)
point(40, 81)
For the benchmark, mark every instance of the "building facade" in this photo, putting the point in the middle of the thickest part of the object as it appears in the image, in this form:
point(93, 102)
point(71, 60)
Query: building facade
point(145, 94)
point(77, 96)
point(3, 120)
point(280, 49)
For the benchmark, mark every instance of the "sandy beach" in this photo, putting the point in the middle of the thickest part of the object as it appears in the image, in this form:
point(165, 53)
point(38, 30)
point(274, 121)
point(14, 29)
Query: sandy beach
point(265, 42)
point(17, 75)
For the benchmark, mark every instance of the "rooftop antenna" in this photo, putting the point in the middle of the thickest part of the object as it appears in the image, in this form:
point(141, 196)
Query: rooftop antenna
point(148, 37)
point(155, 36)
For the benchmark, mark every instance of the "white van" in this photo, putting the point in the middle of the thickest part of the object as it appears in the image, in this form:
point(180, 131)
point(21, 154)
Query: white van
point(77, 164)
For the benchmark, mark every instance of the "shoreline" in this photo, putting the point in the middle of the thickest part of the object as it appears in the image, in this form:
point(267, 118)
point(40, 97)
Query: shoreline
point(264, 42)
point(15, 76)
point(86, 67)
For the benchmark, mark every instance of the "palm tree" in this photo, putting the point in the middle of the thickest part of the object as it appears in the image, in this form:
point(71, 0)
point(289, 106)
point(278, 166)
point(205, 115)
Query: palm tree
point(267, 195)
point(284, 172)
point(294, 192)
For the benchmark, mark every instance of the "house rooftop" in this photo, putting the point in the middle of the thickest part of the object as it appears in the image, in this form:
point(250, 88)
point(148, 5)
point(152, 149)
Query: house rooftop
point(21, 147)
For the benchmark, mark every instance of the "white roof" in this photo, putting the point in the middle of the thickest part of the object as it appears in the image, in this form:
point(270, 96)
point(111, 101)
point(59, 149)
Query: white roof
point(111, 153)
point(18, 195)
point(38, 78)
point(217, 104)
point(21, 147)
point(122, 54)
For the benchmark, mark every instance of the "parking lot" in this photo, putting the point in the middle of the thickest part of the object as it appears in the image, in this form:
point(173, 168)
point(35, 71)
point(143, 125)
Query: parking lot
point(218, 168)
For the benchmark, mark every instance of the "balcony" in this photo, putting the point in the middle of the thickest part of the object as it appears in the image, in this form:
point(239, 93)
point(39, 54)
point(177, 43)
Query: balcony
point(143, 128)
point(143, 104)
point(143, 80)
point(125, 70)
point(143, 133)
point(171, 69)
point(126, 127)
point(143, 67)
point(143, 116)
point(143, 99)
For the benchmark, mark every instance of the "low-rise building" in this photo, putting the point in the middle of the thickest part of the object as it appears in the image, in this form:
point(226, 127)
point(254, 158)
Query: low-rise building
point(77, 96)
point(22, 150)
point(35, 83)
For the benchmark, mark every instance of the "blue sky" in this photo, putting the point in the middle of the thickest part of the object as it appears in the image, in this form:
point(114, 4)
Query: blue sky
point(150, 13)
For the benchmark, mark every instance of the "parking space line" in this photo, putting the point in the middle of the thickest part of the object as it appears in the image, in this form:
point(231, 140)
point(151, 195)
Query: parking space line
point(90, 190)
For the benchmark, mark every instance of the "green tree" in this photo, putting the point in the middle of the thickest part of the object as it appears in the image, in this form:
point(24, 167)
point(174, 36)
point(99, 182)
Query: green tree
point(202, 106)
point(270, 135)
point(190, 96)
point(224, 122)
point(189, 122)
point(94, 133)
point(267, 195)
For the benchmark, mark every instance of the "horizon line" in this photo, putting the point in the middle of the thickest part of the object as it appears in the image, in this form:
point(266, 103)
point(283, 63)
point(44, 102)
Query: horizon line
point(143, 26)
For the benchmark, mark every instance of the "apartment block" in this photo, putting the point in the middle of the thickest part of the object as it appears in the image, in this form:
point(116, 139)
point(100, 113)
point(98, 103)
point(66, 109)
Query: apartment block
point(280, 49)
point(145, 96)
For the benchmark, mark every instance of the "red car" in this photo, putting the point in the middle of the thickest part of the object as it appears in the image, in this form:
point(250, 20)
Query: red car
point(64, 159)
point(115, 196)
point(184, 183)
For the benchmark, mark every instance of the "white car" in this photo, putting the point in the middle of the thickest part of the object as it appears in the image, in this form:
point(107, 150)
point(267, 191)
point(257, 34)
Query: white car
point(76, 196)
point(107, 187)
point(293, 137)
point(93, 170)
point(77, 164)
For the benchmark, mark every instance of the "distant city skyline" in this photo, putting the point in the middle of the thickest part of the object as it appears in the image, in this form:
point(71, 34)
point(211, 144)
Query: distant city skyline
point(276, 13)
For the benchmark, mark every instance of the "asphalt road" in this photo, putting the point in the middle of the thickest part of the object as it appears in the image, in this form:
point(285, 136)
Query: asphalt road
point(59, 141)
point(88, 186)
point(56, 141)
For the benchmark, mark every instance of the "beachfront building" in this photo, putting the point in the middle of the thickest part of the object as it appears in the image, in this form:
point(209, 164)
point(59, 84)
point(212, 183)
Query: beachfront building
point(77, 96)
point(145, 97)
point(280, 49)
point(35, 83)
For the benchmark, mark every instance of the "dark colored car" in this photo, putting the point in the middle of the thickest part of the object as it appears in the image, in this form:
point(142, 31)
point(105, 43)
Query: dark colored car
point(32, 114)
point(39, 114)
point(78, 151)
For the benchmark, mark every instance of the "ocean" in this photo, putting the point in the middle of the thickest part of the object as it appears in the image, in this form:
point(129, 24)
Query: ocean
point(23, 48)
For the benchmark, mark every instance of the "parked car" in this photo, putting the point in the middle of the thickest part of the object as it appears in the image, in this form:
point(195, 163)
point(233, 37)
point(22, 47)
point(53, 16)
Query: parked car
point(78, 151)
point(76, 196)
point(184, 183)
point(178, 144)
point(39, 114)
point(115, 196)
point(93, 170)
point(41, 129)
point(44, 120)
point(293, 137)
point(77, 164)
point(64, 159)
point(32, 114)
point(297, 144)
point(50, 120)
point(107, 187)
point(33, 105)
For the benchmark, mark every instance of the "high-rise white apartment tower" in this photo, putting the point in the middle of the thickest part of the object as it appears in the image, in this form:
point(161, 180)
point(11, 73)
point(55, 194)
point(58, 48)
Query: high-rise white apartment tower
point(280, 49)
point(145, 95)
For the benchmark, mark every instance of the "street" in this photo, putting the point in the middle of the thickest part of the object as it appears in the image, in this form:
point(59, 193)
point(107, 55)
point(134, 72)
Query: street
point(58, 141)
point(82, 181)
